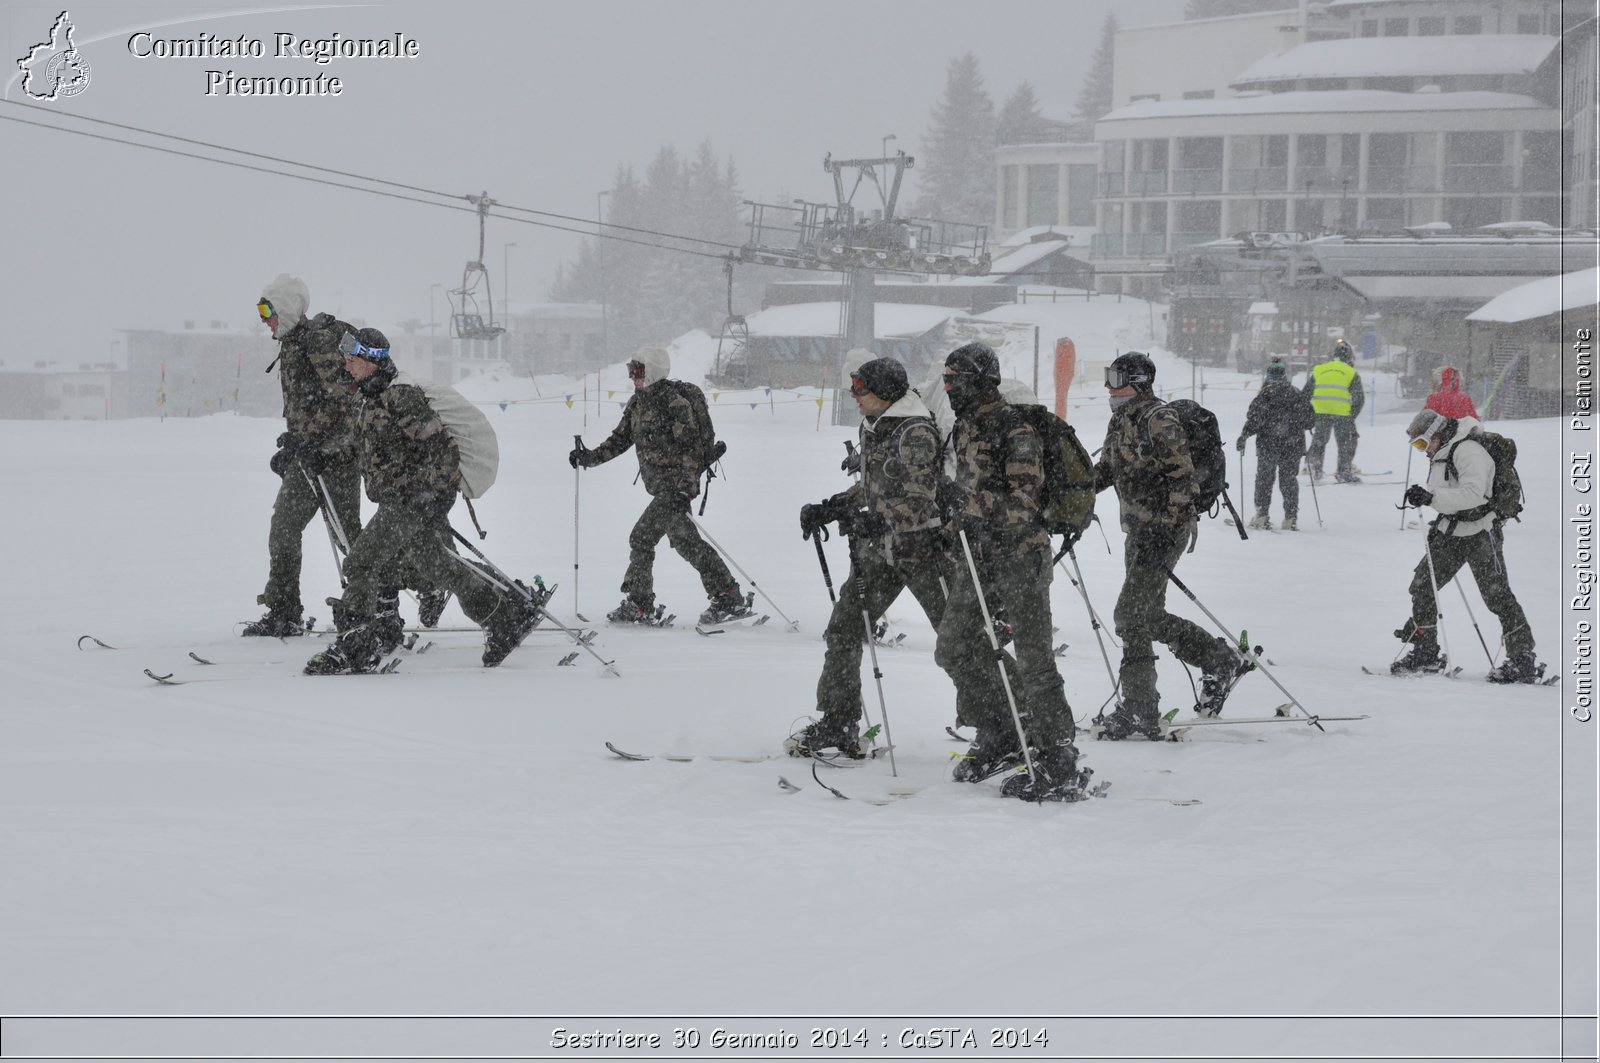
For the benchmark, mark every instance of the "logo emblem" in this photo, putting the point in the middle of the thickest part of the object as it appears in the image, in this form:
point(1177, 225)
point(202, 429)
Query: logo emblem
point(55, 69)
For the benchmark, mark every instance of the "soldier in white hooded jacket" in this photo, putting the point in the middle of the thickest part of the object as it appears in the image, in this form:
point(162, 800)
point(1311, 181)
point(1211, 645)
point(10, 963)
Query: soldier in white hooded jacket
point(1467, 531)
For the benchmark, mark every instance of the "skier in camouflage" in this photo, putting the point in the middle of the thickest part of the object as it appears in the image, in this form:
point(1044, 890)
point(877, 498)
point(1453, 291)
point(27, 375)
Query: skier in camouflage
point(413, 472)
point(1146, 458)
point(999, 474)
point(668, 423)
point(319, 441)
point(897, 542)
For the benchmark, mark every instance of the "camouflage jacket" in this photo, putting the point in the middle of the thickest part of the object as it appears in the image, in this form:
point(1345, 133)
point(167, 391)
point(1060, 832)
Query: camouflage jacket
point(670, 426)
point(316, 405)
point(900, 468)
point(999, 473)
point(407, 455)
point(1146, 458)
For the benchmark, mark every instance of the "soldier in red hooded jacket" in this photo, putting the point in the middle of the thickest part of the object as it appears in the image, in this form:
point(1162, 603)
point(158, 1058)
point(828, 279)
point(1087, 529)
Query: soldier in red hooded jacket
point(1448, 399)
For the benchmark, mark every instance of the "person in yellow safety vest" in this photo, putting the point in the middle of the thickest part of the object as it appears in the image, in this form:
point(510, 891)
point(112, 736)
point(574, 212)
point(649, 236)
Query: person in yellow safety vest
point(1336, 397)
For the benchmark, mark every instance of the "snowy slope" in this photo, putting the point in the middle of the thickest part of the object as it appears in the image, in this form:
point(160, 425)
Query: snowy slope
point(453, 840)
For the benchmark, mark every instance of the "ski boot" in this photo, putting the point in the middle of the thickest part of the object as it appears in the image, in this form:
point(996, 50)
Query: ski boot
point(991, 752)
point(430, 607)
point(509, 625)
point(1216, 684)
point(818, 738)
point(1130, 719)
point(1290, 524)
point(1518, 668)
point(354, 652)
point(1347, 478)
point(633, 611)
point(387, 625)
point(1424, 655)
point(1056, 776)
point(1261, 521)
point(276, 624)
point(729, 605)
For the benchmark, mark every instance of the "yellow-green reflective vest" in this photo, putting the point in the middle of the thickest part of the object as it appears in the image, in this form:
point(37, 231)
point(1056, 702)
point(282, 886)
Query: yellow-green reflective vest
point(1332, 391)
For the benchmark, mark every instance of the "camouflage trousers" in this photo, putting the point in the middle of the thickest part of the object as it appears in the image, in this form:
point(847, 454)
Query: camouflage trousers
point(877, 582)
point(1483, 553)
point(403, 547)
point(1282, 464)
point(1141, 616)
point(668, 515)
point(295, 507)
point(1020, 579)
point(1345, 436)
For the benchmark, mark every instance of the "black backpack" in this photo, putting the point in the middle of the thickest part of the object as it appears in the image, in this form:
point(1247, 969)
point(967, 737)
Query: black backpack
point(1066, 501)
point(1205, 450)
point(706, 443)
point(1505, 493)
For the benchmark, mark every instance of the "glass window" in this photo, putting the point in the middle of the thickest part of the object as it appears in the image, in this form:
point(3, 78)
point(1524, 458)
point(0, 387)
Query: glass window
point(1273, 215)
point(1201, 94)
point(1471, 213)
point(1469, 24)
point(1080, 194)
point(1369, 27)
point(1008, 197)
point(1396, 27)
point(1430, 27)
point(1044, 182)
point(1310, 149)
point(1527, 23)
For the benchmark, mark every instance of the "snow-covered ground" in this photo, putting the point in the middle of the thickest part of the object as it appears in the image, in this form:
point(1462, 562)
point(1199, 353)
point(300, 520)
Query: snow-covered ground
point(448, 840)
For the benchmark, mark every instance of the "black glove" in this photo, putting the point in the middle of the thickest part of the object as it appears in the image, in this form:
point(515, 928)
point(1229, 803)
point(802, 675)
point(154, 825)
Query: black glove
point(717, 451)
point(852, 460)
point(279, 462)
point(290, 441)
point(1417, 495)
point(868, 524)
point(579, 458)
point(313, 460)
point(1240, 444)
point(814, 518)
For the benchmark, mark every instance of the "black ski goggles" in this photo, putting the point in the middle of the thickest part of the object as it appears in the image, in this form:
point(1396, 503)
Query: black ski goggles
point(1117, 377)
point(351, 347)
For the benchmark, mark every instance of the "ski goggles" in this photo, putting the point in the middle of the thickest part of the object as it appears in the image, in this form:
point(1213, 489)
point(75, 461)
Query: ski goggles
point(264, 308)
point(857, 388)
point(351, 347)
point(1117, 377)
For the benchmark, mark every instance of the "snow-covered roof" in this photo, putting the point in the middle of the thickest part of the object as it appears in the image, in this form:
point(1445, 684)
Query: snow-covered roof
point(1432, 289)
point(1078, 234)
point(1023, 257)
point(1353, 101)
point(1262, 308)
point(1381, 57)
point(1541, 298)
point(822, 319)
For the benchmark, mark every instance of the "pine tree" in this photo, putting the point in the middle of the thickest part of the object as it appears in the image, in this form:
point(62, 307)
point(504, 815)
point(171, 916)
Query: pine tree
point(1095, 97)
point(1020, 121)
point(957, 164)
point(1218, 8)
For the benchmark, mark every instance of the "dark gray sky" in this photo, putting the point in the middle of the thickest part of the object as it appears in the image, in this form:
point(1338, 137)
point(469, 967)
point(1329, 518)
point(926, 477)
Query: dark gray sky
point(536, 102)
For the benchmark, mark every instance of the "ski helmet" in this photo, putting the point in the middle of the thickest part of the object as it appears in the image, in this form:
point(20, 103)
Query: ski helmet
point(1134, 369)
point(883, 377)
point(974, 359)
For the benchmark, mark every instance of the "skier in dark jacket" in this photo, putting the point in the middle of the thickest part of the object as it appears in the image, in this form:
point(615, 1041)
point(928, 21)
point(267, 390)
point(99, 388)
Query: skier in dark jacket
point(668, 424)
point(318, 443)
point(1279, 417)
point(413, 472)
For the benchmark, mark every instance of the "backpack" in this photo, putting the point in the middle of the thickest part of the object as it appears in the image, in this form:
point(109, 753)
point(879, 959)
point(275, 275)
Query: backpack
point(1066, 499)
point(471, 432)
point(1205, 450)
point(1505, 493)
point(705, 432)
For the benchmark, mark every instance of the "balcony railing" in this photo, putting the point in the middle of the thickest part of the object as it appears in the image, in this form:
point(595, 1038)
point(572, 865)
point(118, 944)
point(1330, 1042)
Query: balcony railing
point(1129, 245)
point(1479, 177)
point(1109, 184)
point(1541, 180)
point(1400, 179)
point(1327, 178)
point(1106, 245)
point(1183, 240)
point(1190, 182)
point(1258, 179)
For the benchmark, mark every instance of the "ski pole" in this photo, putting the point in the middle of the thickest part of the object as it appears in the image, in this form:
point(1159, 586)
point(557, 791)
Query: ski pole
point(790, 625)
point(1473, 617)
point(577, 478)
point(1094, 618)
point(999, 654)
point(1433, 581)
point(506, 585)
point(1253, 659)
point(330, 523)
point(1407, 489)
point(1241, 473)
point(872, 648)
point(822, 559)
point(1313, 478)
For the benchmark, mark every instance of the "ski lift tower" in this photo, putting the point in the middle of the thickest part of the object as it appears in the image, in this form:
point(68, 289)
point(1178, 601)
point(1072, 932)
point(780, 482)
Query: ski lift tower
point(839, 236)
